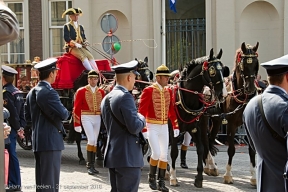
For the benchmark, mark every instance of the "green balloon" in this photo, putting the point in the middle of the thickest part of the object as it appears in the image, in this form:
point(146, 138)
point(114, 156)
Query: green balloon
point(117, 46)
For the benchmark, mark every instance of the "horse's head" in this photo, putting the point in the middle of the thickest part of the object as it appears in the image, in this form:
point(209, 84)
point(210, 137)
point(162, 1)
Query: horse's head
point(213, 73)
point(246, 67)
point(145, 74)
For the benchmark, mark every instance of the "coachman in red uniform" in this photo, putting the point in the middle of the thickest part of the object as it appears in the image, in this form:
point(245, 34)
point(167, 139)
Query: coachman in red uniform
point(87, 112)
point(156, 105)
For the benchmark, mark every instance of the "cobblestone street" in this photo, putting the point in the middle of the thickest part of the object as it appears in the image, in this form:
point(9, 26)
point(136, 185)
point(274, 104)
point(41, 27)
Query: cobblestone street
point(74, 177)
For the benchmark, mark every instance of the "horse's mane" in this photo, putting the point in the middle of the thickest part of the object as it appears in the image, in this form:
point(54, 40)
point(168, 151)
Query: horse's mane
point(194, 62)
point(238, 51)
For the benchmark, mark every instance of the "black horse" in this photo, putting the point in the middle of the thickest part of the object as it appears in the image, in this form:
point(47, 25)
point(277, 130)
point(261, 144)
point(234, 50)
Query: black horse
point(242, 90)
point(190, 106)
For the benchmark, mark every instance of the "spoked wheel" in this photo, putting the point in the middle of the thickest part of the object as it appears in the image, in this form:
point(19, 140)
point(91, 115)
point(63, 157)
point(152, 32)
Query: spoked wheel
point(26, 142)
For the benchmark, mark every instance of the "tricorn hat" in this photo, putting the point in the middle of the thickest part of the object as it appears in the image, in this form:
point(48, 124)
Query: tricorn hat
point(162, 70)
point(72, 11)
point(93, 73)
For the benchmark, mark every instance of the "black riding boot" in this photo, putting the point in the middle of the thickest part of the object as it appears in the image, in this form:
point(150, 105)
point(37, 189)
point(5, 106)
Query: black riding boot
point(152, 177)
point(90, 163)
point(183, 159)
point(161, 182)
point(93, 163)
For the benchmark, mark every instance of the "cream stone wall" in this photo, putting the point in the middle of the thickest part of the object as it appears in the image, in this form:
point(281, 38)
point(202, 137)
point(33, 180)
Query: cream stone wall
point(135, 22)
point(229, 23)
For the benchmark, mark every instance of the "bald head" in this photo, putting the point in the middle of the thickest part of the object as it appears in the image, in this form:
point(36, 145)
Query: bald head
point(127, 80)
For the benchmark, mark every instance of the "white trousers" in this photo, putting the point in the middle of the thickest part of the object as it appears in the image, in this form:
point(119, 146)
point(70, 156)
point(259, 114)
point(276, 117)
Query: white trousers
point(91, 125)
point(158, 137)
point(187, 139)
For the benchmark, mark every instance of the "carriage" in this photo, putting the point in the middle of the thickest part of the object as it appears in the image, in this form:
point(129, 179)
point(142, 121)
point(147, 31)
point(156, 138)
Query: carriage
point(70, 77)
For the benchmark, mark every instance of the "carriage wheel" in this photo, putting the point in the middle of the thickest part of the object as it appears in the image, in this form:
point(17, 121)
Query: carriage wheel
point(26, 142)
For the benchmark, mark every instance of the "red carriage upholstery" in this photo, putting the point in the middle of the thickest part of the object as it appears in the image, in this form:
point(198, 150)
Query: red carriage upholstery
point(71, 68)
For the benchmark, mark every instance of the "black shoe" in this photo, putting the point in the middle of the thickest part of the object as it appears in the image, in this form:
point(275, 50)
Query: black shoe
point(183, 159)
point(183, 164)
point(95, 171)
point(152, 181)
point(90, 171)
point(161, 185)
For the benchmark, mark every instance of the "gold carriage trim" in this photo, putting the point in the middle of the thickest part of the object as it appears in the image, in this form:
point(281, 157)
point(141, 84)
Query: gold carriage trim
point(159, 122)
point(84, 112)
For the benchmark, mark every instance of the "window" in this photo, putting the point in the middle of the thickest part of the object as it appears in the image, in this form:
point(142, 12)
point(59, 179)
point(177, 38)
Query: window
point(14, 52)
point(56, 22)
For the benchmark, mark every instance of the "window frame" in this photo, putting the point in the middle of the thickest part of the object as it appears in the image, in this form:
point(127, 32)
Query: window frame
point(25, 28)
point(50, 26)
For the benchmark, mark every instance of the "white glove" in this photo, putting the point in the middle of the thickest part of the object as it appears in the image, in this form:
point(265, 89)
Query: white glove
point(86, 43)
point(78, 129)
point(176, 132)
point(145, 134)
point(78, 45)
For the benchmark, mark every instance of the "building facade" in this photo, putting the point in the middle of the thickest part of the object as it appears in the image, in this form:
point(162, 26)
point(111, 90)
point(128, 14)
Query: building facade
point(198, 26)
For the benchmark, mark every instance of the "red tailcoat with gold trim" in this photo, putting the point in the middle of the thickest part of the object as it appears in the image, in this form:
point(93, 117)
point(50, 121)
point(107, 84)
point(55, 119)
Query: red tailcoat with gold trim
point(87, 103)
point(157, 106)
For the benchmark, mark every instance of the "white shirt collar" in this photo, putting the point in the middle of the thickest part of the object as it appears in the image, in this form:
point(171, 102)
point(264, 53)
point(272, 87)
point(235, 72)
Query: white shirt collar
point(93, 88)
point(75, 23)
point(160, 87)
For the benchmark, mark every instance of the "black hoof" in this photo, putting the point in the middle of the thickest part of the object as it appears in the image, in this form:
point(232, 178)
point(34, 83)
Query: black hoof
point(82, 162)
point(198, 183)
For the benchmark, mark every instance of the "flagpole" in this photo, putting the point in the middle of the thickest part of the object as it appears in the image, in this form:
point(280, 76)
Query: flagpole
point(163, 33)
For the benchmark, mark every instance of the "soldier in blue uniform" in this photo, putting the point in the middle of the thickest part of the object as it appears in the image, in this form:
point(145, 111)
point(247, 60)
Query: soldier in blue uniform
point(13, 101)
point(76, 41)
point(46, 113)
point(271, 152)
point(123, 153)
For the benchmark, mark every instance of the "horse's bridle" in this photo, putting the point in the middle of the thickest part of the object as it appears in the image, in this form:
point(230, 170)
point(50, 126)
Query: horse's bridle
point(240, 64)
point(211, 72)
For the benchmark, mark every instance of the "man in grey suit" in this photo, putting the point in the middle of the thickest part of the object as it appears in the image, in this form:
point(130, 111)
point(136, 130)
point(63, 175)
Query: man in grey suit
point(46, 112)
point(123, 154)
point(269, 142)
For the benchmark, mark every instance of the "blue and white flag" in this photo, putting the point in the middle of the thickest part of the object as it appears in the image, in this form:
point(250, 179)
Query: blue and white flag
point(172, 5)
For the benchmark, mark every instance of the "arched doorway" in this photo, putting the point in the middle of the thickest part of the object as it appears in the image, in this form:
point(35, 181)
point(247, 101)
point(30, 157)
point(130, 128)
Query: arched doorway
point(260, 21)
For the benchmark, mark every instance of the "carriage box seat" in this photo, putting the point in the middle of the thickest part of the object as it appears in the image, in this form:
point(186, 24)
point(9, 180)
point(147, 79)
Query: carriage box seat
point(71, 68)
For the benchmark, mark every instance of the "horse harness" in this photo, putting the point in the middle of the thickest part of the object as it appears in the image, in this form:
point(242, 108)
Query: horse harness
point(178, 96)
